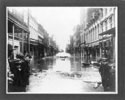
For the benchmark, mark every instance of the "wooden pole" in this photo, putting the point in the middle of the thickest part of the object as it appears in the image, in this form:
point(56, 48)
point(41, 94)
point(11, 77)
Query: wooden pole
point(13, 29)
point(29, 32)
point(22, 42)
point(13, 36)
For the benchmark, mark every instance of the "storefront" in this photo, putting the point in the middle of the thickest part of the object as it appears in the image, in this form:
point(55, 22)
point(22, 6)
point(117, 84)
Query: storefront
point(18, 35)
point(107, 44)
point(34, 47)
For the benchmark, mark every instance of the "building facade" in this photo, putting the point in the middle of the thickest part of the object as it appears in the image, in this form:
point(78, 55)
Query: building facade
point(33, 28)
point(17, 32)
point(26, 35)
point(108, 26)
point(98, 36)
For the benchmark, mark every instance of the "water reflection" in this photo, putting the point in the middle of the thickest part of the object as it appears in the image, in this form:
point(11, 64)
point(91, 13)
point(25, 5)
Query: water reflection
point(60, 64)
point(63, 75)
point(68, 73)
point(75, 64)
point(46, 64)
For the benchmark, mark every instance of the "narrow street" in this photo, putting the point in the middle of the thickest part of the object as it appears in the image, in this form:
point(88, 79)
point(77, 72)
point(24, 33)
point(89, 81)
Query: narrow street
point(57, 75)
point(62, 50)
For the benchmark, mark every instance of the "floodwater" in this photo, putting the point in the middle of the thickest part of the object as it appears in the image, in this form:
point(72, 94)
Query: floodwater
point(63, 75)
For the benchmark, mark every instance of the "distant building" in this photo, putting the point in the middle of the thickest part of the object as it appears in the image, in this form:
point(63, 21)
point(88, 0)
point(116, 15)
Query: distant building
point(75, 41)
point(33, 28)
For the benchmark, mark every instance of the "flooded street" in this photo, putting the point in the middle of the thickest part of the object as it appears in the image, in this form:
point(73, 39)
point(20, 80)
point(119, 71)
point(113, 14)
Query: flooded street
point(61, 50)
point(63, 75)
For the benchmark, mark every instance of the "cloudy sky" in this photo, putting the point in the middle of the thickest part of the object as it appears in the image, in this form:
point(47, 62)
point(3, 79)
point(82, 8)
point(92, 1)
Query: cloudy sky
point(58, 21)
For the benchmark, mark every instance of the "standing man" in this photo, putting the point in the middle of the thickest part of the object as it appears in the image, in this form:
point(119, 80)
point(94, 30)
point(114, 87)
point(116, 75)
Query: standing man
point(105, 74)
point(27, 61)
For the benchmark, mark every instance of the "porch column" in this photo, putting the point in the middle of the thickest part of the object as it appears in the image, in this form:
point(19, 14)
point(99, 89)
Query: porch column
point(29, 42)
point(22, 42)
point(13, 29)
point(114, 49)
point(100, 52)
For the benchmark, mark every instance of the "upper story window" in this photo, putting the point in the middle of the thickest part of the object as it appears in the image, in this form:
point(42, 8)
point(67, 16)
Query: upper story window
point(95, 31)
point(98, 28)
point(110, 22)
point(101, 12)
point(101, 27)
point(105, 11)
point(110, 9)
point(105, 25)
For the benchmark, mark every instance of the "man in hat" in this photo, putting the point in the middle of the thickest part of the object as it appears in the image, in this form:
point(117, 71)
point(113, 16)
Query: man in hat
point(27, 61)
point(105, 74)
point(24, 69)
point(17, 70)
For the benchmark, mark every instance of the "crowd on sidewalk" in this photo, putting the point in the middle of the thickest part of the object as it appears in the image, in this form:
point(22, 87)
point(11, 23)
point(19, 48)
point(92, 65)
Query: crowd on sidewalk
point(18, 69)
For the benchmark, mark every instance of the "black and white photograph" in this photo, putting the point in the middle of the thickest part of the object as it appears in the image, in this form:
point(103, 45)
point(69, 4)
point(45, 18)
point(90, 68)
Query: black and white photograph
point(62, 50)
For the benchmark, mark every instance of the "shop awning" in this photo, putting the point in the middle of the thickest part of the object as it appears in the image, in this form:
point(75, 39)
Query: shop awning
point(33, 42)
point(105, 39)
point(111, 31)
point(95, 43)
point(91, 44)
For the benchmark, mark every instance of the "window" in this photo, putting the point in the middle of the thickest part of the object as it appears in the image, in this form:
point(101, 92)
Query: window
point(101, 12)
point(95, 33)
point(105, 11)
point(110, 22)
point(101, 27)
point(110, 9)
point(113, 21)
point(98, 32)
point(106, 25)
point(92, 33)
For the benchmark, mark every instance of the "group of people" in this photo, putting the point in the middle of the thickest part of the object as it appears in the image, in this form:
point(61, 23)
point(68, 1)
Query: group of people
point(18, 69)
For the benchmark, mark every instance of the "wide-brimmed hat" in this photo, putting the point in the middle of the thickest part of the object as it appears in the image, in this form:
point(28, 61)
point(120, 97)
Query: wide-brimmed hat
point(28, 55)
point(104, 59)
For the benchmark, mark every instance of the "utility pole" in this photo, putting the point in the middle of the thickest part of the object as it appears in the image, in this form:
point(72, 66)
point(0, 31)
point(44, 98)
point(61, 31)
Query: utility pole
point(22, 41)
point(28, 33)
